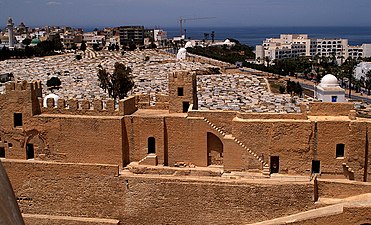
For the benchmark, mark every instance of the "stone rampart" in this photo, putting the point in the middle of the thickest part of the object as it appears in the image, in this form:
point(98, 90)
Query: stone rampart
point(146, 101)
point(272, 116)
point(330, 109)
point(84, 191)
point(96, 107)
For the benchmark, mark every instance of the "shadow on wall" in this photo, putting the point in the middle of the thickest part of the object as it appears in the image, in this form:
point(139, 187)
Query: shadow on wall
point(9, 211)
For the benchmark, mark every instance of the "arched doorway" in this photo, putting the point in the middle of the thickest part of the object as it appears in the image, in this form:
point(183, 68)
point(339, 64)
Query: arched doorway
point(214, 150)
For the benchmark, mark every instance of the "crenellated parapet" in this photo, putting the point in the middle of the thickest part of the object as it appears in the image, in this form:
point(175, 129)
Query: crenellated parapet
point(155, 101)
point(14, 87)
point(95, 107)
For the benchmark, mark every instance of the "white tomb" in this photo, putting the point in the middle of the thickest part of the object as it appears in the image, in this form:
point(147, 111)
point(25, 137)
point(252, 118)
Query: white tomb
point(329, 90)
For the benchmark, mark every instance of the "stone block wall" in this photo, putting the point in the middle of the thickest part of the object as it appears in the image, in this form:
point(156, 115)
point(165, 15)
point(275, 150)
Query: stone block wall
point(95, 191)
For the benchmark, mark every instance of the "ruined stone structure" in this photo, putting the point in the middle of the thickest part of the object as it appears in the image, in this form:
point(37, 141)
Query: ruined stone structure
point(66, 161)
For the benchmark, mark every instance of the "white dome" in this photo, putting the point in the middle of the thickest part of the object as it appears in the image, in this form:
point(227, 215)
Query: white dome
point(188, 45)
point(53, 96)
point(227, 41)
point(329, 80)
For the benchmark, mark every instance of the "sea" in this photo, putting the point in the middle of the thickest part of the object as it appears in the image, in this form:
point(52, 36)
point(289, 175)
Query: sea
point(255, 35)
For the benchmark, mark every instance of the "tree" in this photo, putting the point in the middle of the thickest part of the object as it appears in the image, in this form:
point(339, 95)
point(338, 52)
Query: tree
point(104, 80)
point(119, 83)
point(73, 46)
point(53, 82)
point(83, 46)
point(348, 68)
point(78, 57)
point(122, 81)
point(206, 36)
point(96, 47)
point(212, 36)
point(368, 82)
point(26, 41)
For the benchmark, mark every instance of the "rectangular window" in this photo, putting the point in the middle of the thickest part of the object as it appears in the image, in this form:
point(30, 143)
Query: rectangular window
point(340, 150)
point(180, 91)
point(334, 98)
point(2, 152)
point(18, 120)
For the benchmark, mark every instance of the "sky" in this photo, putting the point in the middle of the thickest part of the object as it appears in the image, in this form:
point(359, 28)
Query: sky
point(166, 13)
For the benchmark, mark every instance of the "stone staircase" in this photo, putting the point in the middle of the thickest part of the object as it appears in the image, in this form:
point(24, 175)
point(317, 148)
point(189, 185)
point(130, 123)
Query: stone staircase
point(348, 172)
point(266, 168)
point(149, 160)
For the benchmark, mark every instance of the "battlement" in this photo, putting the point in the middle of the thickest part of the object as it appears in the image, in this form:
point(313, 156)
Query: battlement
point(34, 87)
point(155, 101)
point(96, 107)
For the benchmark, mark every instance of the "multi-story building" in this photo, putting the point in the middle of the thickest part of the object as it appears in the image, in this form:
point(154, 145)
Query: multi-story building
point(132, 34)
point(91, 38)
point(159, 35)
point(294, 45)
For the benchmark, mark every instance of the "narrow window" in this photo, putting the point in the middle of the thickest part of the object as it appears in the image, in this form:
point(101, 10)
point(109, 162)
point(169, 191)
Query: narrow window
point(185, 107)
point(334, 98)
point(151, 145)
point(180, 91)
point(30, 154)
point(2, 152)
point(18, 120)
point(316, 164)
point(340, 150)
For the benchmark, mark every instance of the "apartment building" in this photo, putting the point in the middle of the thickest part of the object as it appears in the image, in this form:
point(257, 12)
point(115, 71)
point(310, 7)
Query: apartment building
point(131, 33)
point(294, 45)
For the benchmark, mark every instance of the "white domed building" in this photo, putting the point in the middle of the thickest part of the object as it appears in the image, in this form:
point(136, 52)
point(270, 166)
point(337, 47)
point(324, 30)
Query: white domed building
point(329, 90)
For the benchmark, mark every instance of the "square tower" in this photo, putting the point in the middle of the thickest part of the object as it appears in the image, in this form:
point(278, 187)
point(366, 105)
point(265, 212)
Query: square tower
point(182, 91)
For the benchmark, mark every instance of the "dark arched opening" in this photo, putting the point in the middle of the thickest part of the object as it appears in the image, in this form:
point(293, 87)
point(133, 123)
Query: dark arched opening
point(214, 150)
point(151, 145)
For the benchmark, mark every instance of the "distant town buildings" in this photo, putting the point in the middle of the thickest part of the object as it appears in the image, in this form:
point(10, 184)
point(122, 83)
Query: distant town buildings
point(134, 34)
point(72, 38)
point(295, 45)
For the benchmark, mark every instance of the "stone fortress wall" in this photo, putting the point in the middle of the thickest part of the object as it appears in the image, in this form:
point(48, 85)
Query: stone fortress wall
point(70, 140)
point(289, 136)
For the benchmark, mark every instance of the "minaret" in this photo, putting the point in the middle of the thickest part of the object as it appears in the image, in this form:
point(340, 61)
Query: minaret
point(10, 26)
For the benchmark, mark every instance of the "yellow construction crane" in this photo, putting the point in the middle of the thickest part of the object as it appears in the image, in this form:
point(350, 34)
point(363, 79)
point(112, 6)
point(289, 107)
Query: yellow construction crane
point(183, 20)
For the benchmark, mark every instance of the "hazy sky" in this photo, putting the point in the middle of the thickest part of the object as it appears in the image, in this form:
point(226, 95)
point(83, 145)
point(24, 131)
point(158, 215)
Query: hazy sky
point(165, 13)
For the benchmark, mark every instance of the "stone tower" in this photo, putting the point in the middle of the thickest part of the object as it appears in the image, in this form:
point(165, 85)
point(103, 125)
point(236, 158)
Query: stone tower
point(182, 91)
point(10, 27)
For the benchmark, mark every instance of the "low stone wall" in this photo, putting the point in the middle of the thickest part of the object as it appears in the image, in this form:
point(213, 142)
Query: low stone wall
point(277, 116)
point(342, 189)
point(350, 215)
point(330, 109)
point(32, 219)
point(75, 190)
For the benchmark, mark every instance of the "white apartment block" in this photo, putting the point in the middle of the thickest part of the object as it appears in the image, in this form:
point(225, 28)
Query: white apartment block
point(159, 35)
point(91, 38)
point(294, 45)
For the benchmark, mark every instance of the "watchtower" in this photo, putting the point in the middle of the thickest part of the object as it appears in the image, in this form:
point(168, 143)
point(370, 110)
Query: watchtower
point(182, 91)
